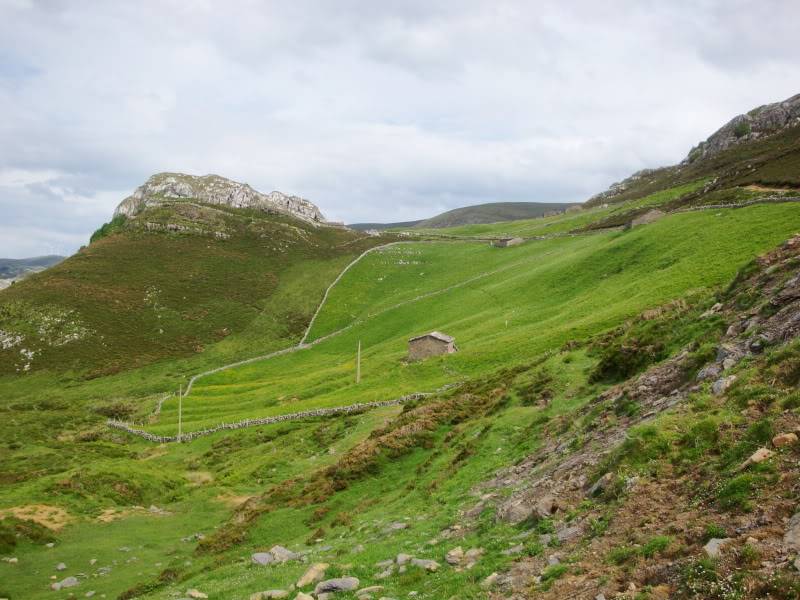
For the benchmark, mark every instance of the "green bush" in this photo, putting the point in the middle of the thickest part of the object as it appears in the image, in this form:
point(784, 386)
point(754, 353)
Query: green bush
point(116, 224)
point(742, 129)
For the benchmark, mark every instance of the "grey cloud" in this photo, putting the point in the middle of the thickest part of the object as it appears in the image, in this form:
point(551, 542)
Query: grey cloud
point(373, 110)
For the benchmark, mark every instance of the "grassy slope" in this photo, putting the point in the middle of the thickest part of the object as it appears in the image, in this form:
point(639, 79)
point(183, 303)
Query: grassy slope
point(548, 292)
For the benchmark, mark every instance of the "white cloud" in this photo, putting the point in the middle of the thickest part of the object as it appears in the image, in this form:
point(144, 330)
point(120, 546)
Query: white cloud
point(373, 110)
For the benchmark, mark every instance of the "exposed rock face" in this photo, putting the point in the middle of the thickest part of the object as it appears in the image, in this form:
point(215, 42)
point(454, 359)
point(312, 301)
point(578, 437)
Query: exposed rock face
point(759, 122)
point(213, 189)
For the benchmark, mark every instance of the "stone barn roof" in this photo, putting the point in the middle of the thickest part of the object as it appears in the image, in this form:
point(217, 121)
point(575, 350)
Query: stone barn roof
point(437, 335)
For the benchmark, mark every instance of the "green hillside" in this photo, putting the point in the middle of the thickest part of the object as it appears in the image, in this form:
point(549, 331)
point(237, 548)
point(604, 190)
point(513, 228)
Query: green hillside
point(170, 283)
point(593, 434)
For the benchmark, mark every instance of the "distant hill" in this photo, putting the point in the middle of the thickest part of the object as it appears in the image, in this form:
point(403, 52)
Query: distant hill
point(381, 226)
point(17, 268)
point(493, 212)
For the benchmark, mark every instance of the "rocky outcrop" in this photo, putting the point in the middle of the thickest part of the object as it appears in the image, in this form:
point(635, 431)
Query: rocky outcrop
point(213, 189)
point(759, 122)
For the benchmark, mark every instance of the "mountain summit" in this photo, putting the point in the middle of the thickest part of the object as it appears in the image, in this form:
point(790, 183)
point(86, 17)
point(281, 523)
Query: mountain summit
point(213, 189)
point(760, 122)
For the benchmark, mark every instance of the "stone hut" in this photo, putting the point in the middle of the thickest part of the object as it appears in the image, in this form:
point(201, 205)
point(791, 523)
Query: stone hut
point(506, 242)
point(430, 344)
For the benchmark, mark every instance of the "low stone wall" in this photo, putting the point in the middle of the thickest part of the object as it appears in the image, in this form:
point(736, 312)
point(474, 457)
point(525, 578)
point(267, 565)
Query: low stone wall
point(306, 414)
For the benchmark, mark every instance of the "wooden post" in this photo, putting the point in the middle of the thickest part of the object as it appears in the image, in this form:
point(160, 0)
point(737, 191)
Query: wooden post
point(180, 409)
point(358, 363)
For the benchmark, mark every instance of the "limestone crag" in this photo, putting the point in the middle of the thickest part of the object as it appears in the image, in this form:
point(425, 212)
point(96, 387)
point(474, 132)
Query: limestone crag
point(759, 122)
point(213, 189)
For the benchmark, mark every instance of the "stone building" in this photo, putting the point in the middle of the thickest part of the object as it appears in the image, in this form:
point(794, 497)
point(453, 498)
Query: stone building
point(431, 344)
point(505, 242)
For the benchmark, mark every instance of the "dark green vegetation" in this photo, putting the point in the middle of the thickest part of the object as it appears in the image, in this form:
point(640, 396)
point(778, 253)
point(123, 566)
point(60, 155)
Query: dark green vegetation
point(554, 335)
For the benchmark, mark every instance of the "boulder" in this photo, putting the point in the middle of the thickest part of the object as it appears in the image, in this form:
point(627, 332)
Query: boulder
point(196, 594)
point(428, 565)
point(601, 485)
point(270, 595)
point(303, 596)
point(757, 457)
point(784, 439)
point(714, 546)
point(282, 554)
point(262, 558)
point(313, 574)
point(720, 386)
point(490, 581)
point(403, 558)
point(454, 556)
point(373, 589)
point(65, 583)
point(340, 584)
point(517, 510)
point(61, 567)
point(791, 537)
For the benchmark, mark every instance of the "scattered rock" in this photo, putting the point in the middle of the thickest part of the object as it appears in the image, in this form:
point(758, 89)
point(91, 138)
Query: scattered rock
point(61, 567)
point(784, 439)
point(263, 558)
point(282, 554)
point(397, 526)
point(490, 581)
point(714, 546)
point(367, 591)
point(270, 595)
point(568, 533)
point(314, 574)
point(720, 386)
point(711, 371)
point(65, 583)
point(428, 565)
point(303, 596)
point(513, 550)
point(601, 485)
point(791, 538)
point(757, 457)
point(196, 594)
point(403, 558)
point(93, 561)
point(90, 594)
point(454, 556)
point(340, 584)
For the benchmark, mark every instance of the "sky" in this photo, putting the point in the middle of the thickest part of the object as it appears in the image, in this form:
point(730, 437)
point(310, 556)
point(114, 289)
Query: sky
point(374, 111)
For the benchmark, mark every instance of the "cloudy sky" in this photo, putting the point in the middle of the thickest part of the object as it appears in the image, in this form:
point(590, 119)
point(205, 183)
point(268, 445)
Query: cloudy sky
point(378, 111)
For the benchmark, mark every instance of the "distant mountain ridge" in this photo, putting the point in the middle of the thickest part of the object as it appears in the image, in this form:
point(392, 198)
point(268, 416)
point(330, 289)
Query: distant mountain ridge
point(478, 214)
point(493, 212)
point(381, 226)
point(16, 268)
point(213, 189)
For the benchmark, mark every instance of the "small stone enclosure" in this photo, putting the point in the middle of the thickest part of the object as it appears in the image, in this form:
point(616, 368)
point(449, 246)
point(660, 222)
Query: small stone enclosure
point(430, 344)
point(506, 242)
